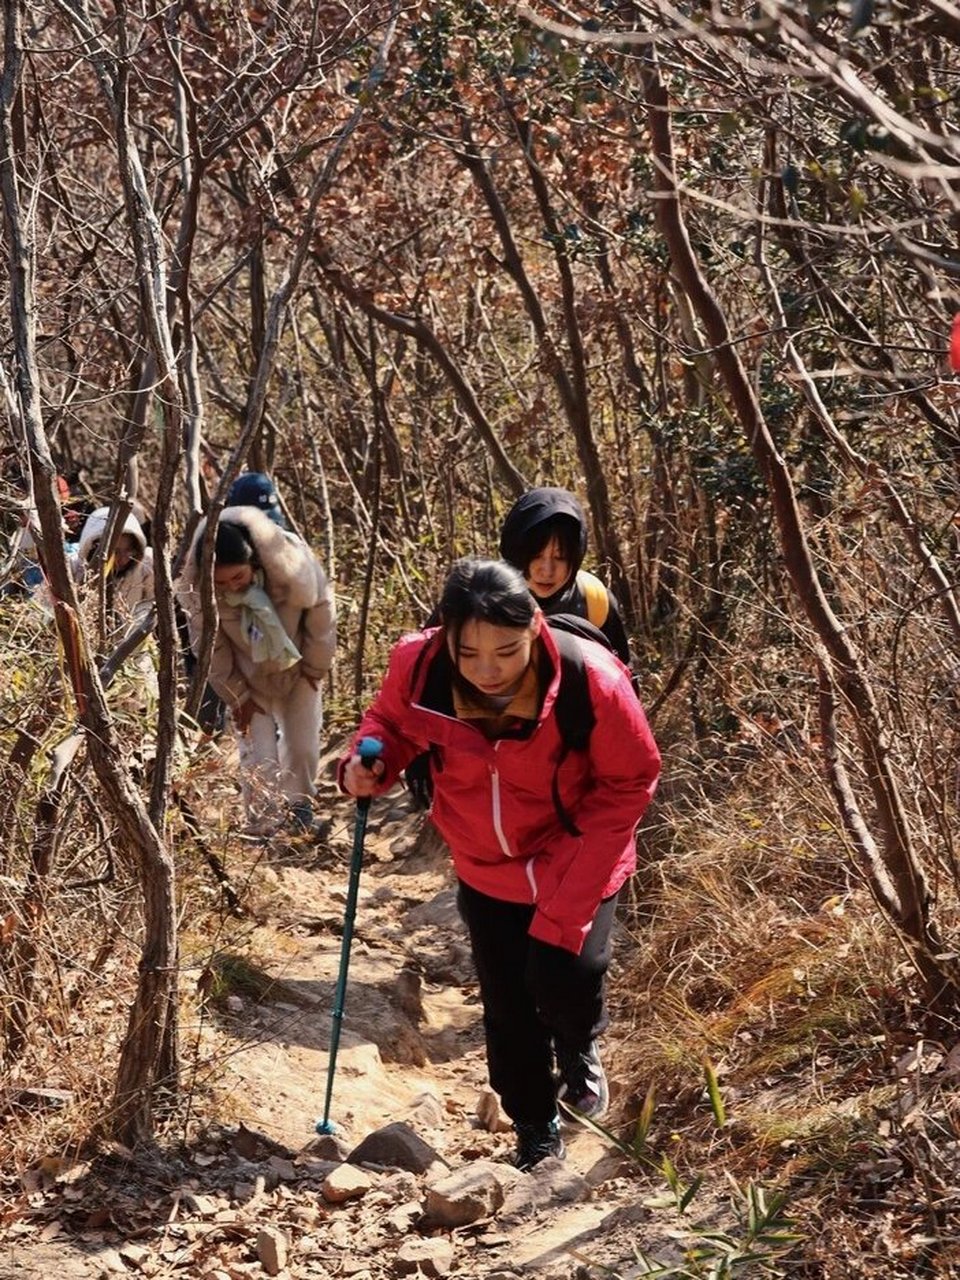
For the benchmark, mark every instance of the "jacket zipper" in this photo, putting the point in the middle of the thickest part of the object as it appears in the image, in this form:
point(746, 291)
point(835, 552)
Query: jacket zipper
point(528, 867)
point(495, 802)
point(495, 806)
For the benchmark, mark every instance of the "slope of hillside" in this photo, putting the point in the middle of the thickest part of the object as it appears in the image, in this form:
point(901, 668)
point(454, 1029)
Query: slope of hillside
point(260, 1192)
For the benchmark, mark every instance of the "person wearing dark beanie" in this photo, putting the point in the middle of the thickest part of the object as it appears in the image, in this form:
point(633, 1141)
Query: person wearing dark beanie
point(544, 535)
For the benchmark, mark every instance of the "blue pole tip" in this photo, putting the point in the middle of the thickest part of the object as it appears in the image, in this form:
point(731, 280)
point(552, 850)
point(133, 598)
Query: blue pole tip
point(325, 1126)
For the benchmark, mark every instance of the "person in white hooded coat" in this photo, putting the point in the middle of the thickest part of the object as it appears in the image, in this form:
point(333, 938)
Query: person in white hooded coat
point(128, 573)
point(130, 570)
point(275, 641)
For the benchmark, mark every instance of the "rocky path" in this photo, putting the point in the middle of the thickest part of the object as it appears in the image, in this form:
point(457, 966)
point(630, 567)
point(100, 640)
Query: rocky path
point(415, 1180)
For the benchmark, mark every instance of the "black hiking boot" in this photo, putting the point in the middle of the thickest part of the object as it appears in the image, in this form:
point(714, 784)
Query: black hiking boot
point(303, 824)
point(583, 1089)
point(537, 1141)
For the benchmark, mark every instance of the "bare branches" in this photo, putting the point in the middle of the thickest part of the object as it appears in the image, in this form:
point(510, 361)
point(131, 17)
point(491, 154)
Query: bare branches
point(847, 667)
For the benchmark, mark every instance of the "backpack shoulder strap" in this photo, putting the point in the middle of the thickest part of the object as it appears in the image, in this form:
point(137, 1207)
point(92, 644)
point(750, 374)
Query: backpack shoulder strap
point(572, 708)
point(574, 715)
point(595, 595)
point(433, 671)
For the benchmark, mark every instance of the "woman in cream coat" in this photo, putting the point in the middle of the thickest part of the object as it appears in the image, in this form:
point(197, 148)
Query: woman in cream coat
point(275, 642)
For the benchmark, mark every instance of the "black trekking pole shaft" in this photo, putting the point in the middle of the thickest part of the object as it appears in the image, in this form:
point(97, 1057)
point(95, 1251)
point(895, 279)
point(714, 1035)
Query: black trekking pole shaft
point(369, 750)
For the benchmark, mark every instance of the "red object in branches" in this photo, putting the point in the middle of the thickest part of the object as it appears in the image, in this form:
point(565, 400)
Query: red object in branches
point(955, 344)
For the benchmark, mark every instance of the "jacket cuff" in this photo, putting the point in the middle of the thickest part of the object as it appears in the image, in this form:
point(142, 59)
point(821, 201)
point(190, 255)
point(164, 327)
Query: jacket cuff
point(569, 937)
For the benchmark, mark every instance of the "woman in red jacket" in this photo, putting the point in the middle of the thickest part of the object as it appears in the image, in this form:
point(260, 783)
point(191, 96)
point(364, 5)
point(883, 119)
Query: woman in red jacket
point(479, 691)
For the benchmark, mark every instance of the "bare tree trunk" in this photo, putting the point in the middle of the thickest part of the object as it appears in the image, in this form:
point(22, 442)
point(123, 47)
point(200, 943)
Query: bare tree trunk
point(578, 407)
point(142, 1056)
point(149, 1058)
point(276, 318)
point(20, 965)
point(17, 768)
point(191, 171)
point(941, 586)
point(572, 390)
point(377, 395)
point(261, 457)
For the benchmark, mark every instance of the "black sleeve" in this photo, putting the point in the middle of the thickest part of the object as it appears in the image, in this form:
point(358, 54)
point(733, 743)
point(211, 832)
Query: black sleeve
point(615, 631)
point(418, 776)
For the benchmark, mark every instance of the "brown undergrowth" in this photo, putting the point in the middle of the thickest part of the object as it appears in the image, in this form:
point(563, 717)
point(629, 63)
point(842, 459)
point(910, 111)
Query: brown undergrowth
point(761, 959)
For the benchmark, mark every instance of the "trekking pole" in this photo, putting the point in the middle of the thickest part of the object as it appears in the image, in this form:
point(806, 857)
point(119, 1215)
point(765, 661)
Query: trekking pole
point(369, 750)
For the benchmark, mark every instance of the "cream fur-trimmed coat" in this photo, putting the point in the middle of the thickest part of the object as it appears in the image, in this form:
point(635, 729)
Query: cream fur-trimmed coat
point(296, 584)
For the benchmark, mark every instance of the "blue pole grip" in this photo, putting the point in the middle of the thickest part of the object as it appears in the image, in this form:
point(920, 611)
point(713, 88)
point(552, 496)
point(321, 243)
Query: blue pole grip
point(369, 749)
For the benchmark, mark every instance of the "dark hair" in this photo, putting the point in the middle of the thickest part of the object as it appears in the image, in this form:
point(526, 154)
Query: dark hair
point(232, 545)
point(488, 591)
point(537, 516)
point(567, 533)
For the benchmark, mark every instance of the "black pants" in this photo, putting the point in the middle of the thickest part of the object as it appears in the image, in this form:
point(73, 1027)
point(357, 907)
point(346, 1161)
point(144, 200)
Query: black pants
point(534, 996)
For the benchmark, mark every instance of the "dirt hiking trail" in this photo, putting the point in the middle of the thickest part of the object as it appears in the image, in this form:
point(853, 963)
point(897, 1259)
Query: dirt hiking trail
point(427, 1191)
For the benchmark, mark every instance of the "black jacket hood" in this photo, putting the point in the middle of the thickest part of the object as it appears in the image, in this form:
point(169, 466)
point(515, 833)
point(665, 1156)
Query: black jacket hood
point(534, 508)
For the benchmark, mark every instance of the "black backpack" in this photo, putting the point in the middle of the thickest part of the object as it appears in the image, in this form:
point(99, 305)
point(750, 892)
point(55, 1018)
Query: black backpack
point(573, 711)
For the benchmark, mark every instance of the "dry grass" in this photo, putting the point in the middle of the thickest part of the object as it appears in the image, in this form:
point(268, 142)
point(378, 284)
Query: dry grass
point(758, 951)
point(82, 911)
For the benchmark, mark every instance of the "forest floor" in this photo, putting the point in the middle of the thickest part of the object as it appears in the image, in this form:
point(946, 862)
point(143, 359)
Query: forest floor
point(857, 1130)
point(259, 1192)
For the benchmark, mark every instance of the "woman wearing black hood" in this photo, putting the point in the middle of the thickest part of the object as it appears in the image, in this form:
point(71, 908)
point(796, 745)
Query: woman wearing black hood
point(545, 537)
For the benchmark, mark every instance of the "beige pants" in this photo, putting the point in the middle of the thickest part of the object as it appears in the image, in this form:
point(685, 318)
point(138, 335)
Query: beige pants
point(280, 754)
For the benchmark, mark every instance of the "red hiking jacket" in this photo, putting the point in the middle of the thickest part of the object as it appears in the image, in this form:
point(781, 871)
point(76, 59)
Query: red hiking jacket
point(492, 800)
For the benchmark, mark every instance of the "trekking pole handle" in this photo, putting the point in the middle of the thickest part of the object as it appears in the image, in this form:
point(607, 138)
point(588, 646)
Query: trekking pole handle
point(369, 750)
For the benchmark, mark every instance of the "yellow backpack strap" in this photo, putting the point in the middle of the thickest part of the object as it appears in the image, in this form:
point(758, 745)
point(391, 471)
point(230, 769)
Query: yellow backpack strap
point(595, 594)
